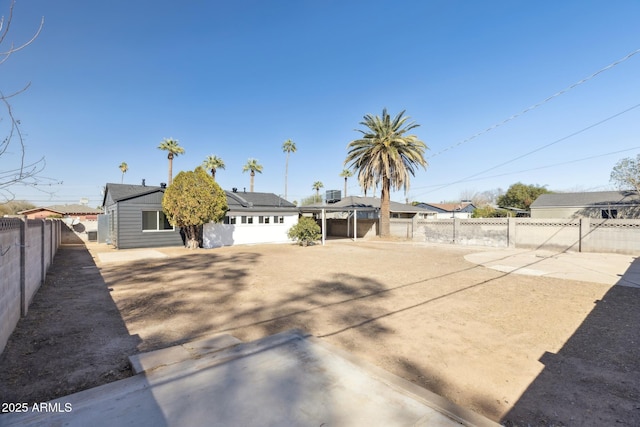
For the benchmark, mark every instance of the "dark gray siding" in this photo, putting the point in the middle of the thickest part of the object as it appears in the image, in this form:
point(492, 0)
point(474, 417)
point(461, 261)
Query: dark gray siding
point(130, 234)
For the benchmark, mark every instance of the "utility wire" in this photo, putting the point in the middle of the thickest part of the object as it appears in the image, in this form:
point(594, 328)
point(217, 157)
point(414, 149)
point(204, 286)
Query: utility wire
point(535, 150)
point(542, 167)
point(534, 106)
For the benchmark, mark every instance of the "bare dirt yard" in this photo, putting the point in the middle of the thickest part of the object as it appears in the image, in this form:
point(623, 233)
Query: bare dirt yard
point(521, 350)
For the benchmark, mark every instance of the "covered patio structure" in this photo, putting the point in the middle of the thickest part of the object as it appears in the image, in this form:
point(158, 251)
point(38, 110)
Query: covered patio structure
point(344, 219)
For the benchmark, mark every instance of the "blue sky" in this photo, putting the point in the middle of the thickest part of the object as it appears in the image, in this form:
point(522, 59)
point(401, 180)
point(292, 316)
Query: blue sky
point(110, 80)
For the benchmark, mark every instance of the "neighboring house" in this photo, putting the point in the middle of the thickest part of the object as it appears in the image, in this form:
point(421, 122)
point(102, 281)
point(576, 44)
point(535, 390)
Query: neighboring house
point(134, 218)
point(79, 212)
point(449, 210)
point(252, 218)
point(597, 204)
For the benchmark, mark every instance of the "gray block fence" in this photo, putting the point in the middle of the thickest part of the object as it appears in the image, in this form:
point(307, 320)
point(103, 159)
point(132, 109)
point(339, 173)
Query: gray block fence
point(27, 248)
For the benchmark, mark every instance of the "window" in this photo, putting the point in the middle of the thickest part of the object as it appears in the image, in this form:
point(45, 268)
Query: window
point(249, 220)
point(243, 219)
point(266, 219)
point(155, 221)
point(260, 219)
point(229, 219)
point(609, 213)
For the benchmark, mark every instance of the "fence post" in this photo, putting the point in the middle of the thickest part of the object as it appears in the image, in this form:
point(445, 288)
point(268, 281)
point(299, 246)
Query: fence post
point(511, 232)
point(456, 230)
point(23, 263)
point(584, 230)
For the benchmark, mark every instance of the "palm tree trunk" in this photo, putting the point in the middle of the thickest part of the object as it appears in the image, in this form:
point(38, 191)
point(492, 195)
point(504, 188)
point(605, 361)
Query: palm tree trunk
point(286, 175)
point(251, 182)
point(345, 186)
point(213, 174)
point(170, 157)
point(385, 221)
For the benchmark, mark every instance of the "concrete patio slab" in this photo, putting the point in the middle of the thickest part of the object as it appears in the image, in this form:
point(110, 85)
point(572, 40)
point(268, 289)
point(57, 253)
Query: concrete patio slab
point(612, 269)
point(284, 379)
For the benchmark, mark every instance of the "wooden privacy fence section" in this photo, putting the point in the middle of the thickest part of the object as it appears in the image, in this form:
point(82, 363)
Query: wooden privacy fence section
point(27, 248)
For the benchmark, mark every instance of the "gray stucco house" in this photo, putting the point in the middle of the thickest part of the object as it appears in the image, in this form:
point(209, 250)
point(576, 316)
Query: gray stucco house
point(134, 218)
point(596, 204)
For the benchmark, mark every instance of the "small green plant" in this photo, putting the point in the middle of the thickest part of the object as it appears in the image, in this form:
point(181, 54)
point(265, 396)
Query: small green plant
point(306, 231)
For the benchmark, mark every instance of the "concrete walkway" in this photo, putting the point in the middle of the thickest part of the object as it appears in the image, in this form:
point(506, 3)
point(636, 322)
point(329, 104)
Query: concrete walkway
point(612, 269)
point(285, 379)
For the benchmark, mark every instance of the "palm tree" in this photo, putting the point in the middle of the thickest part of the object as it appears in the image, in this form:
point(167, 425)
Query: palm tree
point(253, 166)
point(123, 168)
point(386, 154)
point(287, 147)
point(317, 186)
point(171, 145)
point(346, 173)
point(213, 163)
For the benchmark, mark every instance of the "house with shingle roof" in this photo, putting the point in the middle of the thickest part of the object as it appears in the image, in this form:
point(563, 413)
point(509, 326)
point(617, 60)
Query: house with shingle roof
point(252, 218)
point(594, 204)
point(135, 219)
point(449, 210)
point(77, 211)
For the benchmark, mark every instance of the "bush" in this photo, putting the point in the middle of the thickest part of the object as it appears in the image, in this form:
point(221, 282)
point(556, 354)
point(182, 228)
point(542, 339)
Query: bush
point(305, 231)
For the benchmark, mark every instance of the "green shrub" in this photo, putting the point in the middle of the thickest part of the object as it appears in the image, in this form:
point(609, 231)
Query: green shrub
point(305, 231)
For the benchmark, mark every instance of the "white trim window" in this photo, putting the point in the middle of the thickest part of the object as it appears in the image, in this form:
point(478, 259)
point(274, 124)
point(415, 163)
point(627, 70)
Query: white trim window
point(155, 221)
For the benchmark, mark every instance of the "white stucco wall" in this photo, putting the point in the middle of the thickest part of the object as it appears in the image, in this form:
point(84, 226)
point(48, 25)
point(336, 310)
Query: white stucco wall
point(217, 235)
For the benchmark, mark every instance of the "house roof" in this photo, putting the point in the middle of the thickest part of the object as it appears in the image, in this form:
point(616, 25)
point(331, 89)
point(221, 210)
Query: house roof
point(246, 201)
point(371, 203)
point(76, 209)
point(594, 198)
point(121, 192)
point(237, 201)
point(447, 207)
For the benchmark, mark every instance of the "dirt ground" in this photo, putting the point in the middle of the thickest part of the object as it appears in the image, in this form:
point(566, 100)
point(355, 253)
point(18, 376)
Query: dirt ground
point(521, 350)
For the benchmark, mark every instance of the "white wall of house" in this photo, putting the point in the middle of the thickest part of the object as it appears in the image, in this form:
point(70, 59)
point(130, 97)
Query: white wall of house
point(216, 235)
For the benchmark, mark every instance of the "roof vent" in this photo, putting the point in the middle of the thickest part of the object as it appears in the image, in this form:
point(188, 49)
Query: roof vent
point(163, 185)
point(143, 182)
point(234, 189)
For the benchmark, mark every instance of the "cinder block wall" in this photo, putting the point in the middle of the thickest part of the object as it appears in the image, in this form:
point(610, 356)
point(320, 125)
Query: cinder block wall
point(27, 248)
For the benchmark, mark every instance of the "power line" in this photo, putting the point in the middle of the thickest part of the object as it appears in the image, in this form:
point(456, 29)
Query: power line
point(534, 151)
point(534, 106)
point(543, 167)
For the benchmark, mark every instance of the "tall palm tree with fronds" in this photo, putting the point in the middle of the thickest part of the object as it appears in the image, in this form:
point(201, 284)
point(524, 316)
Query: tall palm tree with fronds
point(124, 167)
point(253, 166)
point(171, 145)
point(288, 147)
point(213, 163)
point(346, 174)
point(386, 154)
point(317, 186)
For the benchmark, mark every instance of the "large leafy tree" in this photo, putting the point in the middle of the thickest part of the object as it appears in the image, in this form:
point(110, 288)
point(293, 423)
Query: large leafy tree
point(124, 167)
point(521, 195)
point(386, 154)
point(288, 147)
point(213, 163)
point(346, 174)
point(252, 166)
point(192, 200)
point(626, 174)
point(173, 148)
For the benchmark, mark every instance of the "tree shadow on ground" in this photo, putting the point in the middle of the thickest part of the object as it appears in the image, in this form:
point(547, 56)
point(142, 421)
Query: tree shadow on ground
point(73, 337)
point(594, 379)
